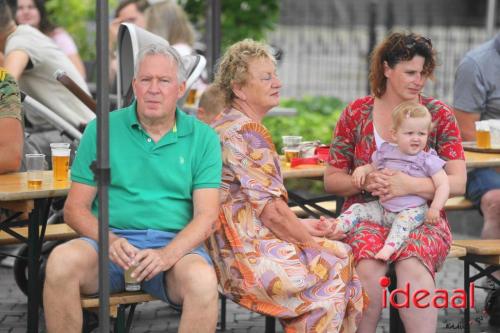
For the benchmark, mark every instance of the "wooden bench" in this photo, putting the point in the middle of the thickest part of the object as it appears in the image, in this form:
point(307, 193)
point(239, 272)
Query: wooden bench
point(118, 304)
point(455, 203)
point(59, 231)
point(479, 251)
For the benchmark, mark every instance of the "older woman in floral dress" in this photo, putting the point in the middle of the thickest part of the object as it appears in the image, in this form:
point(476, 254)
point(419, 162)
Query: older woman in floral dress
point(267, 259)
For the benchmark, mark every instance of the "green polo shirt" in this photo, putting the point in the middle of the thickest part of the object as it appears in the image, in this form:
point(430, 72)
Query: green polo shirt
point(152, 183)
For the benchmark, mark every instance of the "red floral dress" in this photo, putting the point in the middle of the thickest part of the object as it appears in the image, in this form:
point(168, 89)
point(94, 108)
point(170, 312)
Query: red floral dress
point(352, 146)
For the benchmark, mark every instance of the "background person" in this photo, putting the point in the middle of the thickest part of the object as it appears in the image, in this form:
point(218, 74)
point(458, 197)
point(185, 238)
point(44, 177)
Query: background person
point(477, 97)
point(266, 258)
point(169, 20)
point(211, 104)
point(127, 11)
point(32, 58)
point(411, 123)
point(11, 124)
point(33, 12)
point(399, 68)
point(163, 203)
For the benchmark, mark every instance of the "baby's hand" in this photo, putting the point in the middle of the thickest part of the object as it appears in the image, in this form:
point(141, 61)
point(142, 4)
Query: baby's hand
point(324, 223)
point(433, 216)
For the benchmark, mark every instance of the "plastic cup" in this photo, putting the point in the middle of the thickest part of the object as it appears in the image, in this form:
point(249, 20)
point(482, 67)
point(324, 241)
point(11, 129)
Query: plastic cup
point(291, 147)
point(131, 283)
point(494, 133)
point(60, 160)
point(483, 138)
point(35, 164)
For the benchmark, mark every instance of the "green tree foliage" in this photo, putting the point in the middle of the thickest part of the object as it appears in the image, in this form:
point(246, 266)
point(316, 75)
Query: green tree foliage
point(77, 17)
point(239, 19)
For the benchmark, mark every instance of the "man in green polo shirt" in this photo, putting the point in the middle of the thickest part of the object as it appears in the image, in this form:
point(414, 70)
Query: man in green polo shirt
point(163, 203)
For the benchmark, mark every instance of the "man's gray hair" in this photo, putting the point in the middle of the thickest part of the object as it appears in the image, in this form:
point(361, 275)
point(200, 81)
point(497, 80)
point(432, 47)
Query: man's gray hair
point(166, 51)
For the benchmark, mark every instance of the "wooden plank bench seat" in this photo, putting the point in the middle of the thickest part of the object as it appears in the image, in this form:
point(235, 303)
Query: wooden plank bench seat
point(60, 231)
point(115, 300)
point(455, 203)
point(118, 304)
point(479, 251)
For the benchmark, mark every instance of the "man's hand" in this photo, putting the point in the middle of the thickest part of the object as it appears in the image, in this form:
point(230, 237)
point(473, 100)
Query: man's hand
point(149, 263)
point(122, 253)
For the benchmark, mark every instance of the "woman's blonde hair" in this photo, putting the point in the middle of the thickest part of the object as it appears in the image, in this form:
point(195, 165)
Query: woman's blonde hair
point(407, 110)
point(168, 20)
point(392, 50)
point(233, 66)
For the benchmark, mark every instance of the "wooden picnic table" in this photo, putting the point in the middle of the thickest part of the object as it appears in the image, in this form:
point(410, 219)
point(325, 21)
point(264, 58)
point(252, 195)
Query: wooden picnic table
point(15, 195)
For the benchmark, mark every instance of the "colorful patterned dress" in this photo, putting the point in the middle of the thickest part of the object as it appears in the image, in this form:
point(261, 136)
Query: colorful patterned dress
point(353, 145)
point(308, 290)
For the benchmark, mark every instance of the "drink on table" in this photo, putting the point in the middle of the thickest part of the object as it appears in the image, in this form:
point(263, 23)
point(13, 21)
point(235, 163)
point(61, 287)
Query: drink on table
point(35, 164)
point(291, 153)
point(483, 139)
point(191, 97)
point(60, 160)
point(291, 147)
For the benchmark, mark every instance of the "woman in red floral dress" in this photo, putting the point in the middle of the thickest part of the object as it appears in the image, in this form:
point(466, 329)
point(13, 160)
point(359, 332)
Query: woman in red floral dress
point(400, 66)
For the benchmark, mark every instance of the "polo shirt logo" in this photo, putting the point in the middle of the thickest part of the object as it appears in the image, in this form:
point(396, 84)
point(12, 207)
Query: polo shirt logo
point(181, 160)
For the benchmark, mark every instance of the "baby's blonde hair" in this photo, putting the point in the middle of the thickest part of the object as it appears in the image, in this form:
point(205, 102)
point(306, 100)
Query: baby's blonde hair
point(407, 110)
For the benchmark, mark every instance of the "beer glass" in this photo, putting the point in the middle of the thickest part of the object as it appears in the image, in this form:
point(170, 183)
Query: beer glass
point(483, 139)
point(35, 164)
point(131, 283)
point(60, 160)
point(191, 97)
point(291, 147)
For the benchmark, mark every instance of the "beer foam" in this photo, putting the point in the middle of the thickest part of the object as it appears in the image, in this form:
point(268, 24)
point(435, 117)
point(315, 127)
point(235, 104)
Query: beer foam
point(60, 151)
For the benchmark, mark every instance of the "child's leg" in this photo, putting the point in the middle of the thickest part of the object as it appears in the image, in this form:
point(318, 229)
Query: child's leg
point(369, 211)
point(402, 224)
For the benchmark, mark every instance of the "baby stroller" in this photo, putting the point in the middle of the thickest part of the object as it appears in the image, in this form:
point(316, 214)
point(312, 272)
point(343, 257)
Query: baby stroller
point(54, 212)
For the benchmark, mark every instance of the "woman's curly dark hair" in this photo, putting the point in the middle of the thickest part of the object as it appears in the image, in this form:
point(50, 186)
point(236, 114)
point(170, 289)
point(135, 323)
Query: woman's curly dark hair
point(395, 48)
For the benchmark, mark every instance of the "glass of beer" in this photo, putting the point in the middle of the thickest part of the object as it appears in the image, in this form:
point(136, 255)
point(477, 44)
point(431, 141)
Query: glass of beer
point(35, 164)
point(483, 139)
point(191, 97)
point(291, 147)
point(60, 160)
point(131, 284)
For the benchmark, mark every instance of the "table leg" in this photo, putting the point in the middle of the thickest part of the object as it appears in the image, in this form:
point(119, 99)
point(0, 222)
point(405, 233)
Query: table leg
point(467, 300)
point(37, 218)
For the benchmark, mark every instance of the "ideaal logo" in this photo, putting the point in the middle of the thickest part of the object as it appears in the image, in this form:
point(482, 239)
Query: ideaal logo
point(441, 298)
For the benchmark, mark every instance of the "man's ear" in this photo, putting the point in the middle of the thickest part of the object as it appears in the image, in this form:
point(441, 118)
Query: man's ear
point(182, 89)
point(134, 82)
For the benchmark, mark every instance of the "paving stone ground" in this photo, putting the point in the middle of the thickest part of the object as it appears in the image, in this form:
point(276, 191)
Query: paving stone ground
point(157, 317)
